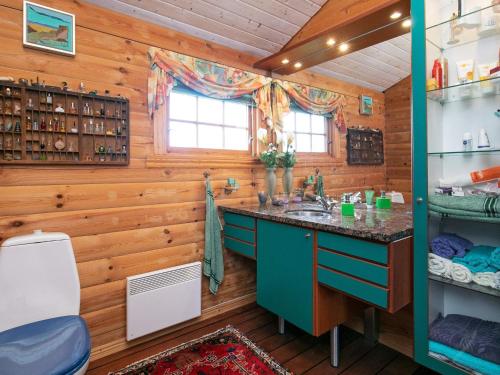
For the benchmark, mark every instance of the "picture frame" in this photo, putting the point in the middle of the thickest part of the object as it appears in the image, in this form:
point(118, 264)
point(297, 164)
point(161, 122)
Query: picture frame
point(48, 29)
point(365, 105)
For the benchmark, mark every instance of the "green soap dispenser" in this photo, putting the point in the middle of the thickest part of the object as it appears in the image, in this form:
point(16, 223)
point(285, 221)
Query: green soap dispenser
point(347, 208)
point(383, 202)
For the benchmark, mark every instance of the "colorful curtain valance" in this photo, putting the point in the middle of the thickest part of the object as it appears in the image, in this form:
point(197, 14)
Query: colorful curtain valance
point(272, 97)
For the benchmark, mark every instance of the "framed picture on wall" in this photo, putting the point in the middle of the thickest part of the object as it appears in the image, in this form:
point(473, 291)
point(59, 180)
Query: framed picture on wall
point(48, 29)
point(365, 105)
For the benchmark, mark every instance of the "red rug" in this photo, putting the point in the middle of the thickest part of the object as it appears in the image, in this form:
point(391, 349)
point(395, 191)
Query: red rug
point(224, 352)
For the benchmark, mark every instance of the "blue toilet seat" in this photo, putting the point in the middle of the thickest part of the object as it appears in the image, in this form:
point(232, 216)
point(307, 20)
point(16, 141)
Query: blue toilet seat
point(54, 346)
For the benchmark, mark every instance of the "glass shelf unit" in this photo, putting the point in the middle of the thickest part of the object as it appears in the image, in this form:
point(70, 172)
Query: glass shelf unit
point(441, 119)
point(452, 33)
point(465, 153)
point(466, 91)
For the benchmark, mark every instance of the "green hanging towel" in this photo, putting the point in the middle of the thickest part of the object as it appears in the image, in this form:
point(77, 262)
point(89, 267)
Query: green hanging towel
point(319, 187)
point(213, 262)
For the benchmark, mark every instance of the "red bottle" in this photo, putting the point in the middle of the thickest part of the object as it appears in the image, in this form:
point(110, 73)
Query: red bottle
point(437, 73)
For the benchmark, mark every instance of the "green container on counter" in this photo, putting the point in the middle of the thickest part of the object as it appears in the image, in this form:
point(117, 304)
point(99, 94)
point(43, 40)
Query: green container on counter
point(383, 202)
point(347, 209)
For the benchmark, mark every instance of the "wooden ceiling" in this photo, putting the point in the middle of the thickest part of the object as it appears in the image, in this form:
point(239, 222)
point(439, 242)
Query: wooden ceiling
point(263, 27)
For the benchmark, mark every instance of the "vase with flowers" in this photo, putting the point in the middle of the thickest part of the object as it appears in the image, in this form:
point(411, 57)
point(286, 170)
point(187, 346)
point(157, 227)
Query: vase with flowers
point(270, 159)
point(287, 160)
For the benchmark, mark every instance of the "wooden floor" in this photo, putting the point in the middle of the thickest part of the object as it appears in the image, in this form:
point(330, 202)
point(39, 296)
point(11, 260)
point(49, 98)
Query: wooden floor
point(297, 351)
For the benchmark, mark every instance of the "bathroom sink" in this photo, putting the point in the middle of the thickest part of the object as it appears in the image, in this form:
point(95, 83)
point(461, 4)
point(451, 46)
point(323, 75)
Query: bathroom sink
point(308, 213)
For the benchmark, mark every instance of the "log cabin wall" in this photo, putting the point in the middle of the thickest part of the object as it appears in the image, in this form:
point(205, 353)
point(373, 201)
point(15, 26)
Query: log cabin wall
point(129, 220)
point(398, 137)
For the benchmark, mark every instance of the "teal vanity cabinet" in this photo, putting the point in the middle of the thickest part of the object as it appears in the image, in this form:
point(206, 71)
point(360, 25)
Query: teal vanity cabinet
point(445, 120)
point(239, 234)
point(285, 272)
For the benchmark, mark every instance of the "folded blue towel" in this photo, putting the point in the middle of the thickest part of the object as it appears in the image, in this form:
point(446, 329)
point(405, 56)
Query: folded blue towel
point(465, 359)
point(477, 259)
point(495, 258)
point(448, 245)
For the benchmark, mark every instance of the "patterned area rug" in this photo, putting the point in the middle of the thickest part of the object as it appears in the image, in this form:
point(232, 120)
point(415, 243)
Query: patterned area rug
point(224, 352)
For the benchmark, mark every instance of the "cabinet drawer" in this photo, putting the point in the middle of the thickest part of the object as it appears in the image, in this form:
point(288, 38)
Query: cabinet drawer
point(239, 220)
point(356, 267)
point(239, 233)
point(239, 247)
point(358, 248)
point(357, 288)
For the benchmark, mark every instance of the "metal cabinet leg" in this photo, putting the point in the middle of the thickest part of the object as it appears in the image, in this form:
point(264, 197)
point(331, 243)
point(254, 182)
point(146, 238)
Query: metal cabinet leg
point(334, 346)
point(281, 325)
point(371, 325)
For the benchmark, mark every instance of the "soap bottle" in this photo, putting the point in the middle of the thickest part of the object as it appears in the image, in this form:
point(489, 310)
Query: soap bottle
point(347, 207)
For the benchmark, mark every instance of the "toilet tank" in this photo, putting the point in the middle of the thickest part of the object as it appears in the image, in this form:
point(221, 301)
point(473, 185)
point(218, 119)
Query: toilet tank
point(38, 279)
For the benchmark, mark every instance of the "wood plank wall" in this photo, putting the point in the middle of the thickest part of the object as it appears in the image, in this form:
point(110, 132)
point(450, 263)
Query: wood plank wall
point(398, 137)
point(126, 221)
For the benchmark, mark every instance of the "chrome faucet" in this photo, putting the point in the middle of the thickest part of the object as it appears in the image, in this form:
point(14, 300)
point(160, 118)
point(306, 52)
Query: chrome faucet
point(327, 205)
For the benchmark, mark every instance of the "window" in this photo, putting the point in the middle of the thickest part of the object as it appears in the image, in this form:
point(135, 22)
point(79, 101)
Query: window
point(196, 121)
point(310, 131)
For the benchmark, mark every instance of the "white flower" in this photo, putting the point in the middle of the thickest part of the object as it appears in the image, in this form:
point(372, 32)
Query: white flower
point(269, 122)
point(289, 138)
point(262, 135)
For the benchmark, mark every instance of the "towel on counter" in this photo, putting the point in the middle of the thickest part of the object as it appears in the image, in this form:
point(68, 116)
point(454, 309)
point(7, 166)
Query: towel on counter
point(461, 273)
point(495, 258)
point(496, 283)
point(484, 278)
point(439, 266)
point(484, 209)
point(449, 245)
point(464, 359)
point(480, 338)
point(213, 262)
point(477, 259)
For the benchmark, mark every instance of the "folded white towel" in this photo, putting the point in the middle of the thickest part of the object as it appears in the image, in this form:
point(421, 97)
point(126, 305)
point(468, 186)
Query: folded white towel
point(484, 278)
point(496, 281)
point(439, 266)
point(461, 273)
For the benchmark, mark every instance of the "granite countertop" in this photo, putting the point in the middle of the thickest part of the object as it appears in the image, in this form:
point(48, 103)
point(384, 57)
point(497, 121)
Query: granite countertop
point(371, 224)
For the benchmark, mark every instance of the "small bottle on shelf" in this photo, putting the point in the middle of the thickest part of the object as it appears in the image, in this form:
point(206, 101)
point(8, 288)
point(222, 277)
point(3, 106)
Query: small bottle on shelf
point(50, 127)
point(49, 98)
point(101, 110)
point(43, 125)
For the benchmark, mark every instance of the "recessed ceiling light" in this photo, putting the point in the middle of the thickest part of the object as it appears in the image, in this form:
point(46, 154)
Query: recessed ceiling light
point(396, 15)
point(330, 42)
point(298, 65)
point(285, 61)
point(343, 47)
point(407, 23)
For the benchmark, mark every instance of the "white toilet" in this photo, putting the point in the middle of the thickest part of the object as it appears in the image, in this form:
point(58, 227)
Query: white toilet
point(41, 331)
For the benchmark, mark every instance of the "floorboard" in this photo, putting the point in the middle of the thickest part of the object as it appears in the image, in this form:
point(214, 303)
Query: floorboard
point(295, 350)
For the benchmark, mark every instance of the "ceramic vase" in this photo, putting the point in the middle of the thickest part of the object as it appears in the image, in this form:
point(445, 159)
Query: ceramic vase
point(270, 181)
point(288, 181)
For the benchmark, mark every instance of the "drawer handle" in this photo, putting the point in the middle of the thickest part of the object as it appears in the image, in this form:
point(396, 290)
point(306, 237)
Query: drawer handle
point(308, 235)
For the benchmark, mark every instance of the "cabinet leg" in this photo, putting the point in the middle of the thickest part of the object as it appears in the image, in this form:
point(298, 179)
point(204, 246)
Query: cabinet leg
point(334, 346)
point(281, 325)
point(371, 325)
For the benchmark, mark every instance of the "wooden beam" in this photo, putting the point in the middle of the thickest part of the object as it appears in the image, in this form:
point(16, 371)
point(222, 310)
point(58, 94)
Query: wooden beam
point(360, 30)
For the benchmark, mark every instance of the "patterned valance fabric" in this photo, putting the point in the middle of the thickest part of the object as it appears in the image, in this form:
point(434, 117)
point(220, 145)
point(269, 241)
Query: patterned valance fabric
point(272, 97)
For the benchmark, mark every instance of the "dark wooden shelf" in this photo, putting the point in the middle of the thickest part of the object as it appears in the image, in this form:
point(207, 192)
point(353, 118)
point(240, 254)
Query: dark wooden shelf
point(85, 143)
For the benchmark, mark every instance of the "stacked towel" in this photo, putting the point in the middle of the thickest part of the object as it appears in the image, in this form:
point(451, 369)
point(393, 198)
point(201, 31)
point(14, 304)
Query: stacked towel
point(448, 245)
point(439, 266)
point(460, 273)
point(477, 337)
point(495, 258)
point(484, 278)
point(477, 259)
point(484, 209)
point(496, 282)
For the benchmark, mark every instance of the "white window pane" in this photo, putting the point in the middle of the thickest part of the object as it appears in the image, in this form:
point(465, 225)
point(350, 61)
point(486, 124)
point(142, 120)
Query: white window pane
point(303, 142)
point(289, 122)
point(209, 110)
point(236, 139)
point(318, 143)
point(182, 107)
point(182, 134)
point(209, 136)
point(236, 114)
point(303, 122)
point(318, 124)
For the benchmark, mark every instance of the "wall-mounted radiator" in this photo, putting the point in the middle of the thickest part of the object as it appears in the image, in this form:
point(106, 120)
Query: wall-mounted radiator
point(160, 299)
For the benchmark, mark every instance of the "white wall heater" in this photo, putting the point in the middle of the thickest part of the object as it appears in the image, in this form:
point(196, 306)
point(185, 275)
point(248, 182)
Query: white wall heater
point(160, 299)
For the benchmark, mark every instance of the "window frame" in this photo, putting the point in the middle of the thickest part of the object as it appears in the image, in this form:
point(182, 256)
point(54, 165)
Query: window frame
point(202, 150)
